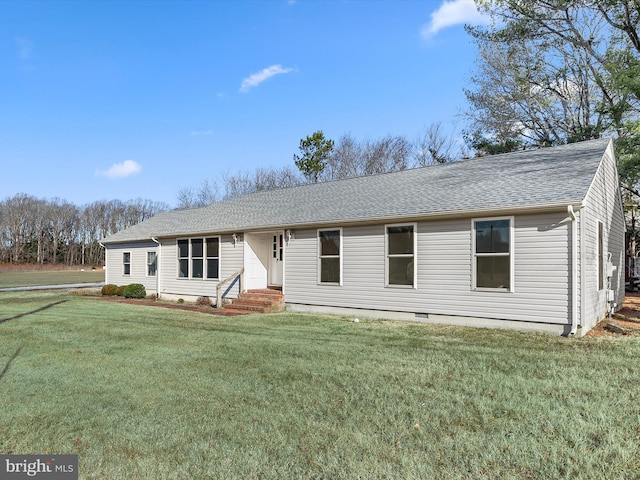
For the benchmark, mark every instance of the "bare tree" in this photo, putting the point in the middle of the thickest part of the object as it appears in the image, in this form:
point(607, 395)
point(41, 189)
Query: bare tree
point(237, 185)
point(387, 154)
point(345, 159)
point(206, 194)
point(556, 71)
point(433, 146)
point(270, 178)
point(63, 220)
point(261, 179)
point(17, 225)
point(540, 99)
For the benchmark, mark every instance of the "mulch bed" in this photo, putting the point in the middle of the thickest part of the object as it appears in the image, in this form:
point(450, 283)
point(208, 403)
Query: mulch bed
point(624, 322)
point(191, 307)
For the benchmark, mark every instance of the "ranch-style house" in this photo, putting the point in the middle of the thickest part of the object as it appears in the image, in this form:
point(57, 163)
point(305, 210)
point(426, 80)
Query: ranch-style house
point(530, 240)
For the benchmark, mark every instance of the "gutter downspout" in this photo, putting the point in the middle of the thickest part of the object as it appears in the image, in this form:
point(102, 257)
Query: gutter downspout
point(104, 264)
point(574, 270)
point(157, 267)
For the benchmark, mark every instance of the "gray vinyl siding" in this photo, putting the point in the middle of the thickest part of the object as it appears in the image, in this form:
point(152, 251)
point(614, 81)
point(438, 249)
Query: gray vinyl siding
point(115, 268)
point(443, 262)
point(603, 203)
point(580, 266)
point(231, 259)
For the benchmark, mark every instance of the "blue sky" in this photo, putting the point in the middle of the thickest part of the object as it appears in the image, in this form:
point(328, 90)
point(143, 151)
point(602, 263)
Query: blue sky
point(104, 100)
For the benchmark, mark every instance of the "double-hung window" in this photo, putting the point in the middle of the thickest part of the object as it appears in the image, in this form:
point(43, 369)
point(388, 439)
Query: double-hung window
point(199, 257)
point(126, 263)
point(493, 254)
point(152, 265)
point(401, 255)
point(213, 257)
point(330, 256)
point(183, 258)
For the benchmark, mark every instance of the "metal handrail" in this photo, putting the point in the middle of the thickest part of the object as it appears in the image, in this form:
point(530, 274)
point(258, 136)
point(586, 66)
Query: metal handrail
point(233, 277)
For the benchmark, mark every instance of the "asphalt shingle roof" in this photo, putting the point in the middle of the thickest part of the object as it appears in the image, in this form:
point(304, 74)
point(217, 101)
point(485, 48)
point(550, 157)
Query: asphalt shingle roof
point(535, 178)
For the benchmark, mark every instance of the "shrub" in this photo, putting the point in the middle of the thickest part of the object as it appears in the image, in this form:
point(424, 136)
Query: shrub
point(109, 289)
point(135, 290)
point(120, 291)
point(203, 301)
point(181, 300)
point(86, 292)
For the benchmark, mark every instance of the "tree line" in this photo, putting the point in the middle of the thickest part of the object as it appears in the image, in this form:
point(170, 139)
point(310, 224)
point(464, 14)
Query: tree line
point(322, 159)
point(35, 230)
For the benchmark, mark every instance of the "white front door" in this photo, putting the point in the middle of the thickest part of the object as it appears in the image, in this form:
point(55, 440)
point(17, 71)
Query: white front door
point(276, 261)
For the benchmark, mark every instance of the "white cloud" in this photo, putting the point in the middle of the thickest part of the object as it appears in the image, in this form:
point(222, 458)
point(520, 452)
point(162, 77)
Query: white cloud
point(202, 133)
point(257, 78)
point(119, 170)
point(450, 13)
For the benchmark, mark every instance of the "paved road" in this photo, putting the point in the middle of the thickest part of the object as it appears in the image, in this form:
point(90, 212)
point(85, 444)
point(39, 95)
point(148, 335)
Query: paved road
point(52, 287)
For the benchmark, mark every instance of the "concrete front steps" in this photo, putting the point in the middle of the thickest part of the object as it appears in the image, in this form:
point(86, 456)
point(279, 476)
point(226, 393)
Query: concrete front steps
point(257, 301)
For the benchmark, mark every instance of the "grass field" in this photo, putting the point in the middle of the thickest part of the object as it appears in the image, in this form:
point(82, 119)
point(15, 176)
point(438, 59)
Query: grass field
point(62, 277)
point(151, 393)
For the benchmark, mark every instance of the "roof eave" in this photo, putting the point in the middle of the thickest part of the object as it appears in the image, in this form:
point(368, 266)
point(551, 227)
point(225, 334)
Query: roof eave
point(480, 212)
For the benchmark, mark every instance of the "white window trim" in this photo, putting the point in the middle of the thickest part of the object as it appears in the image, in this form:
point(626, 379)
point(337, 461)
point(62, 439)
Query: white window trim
point(204, 258)
point(147, 259)
point(511, 255)
point(319, 256)
point(415, 255)
point(125, 263)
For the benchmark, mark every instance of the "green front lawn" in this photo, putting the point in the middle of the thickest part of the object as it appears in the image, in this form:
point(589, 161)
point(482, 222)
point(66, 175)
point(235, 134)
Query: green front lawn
point(151, 393)
point(32, 278)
